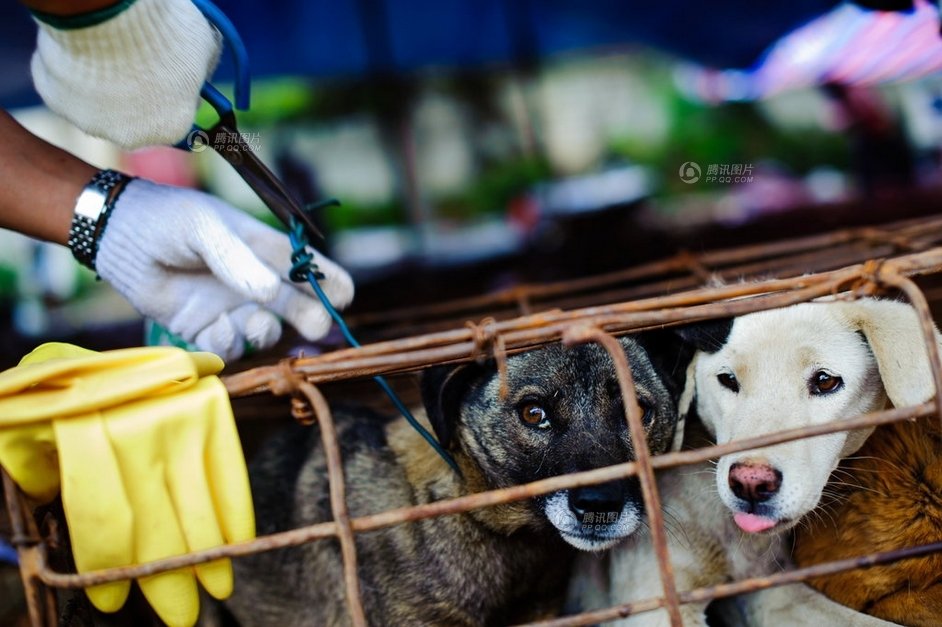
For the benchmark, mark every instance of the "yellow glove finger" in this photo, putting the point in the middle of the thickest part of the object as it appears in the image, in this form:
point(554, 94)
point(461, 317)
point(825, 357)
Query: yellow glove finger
point(206, 363)
point(29, 455)
point(96, 507)
point(187, 421)
point(140, 449)
point(55, 350)
point(225, 467)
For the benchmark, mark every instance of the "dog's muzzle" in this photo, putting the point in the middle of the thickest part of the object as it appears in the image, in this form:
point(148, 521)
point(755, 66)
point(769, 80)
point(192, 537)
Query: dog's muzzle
point(753, 490)
point(593, 518)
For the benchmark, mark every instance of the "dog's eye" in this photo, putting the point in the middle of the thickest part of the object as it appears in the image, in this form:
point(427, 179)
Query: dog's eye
point(534, 415)
point(824, 383)
point(728, 381)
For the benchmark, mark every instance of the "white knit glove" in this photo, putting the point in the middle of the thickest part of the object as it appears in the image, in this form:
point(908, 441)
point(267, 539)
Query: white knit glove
point(208, 272)
point(134, 79)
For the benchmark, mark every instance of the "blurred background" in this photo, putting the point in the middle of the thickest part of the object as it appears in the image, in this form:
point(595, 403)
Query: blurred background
point(477, 144)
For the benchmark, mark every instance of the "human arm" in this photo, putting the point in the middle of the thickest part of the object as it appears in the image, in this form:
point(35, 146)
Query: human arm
point(40, 183)
point(208, 272)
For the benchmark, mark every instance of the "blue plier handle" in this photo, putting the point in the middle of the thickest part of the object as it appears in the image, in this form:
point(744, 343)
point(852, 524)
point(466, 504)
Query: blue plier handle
point(224, 136)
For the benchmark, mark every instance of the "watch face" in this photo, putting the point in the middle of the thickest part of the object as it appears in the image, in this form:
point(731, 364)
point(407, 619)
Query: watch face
point(90, 203)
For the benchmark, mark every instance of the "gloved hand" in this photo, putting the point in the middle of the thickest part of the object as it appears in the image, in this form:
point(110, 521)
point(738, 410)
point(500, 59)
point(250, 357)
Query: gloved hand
point(209, 273)
point(149, 460)
point(133, 78)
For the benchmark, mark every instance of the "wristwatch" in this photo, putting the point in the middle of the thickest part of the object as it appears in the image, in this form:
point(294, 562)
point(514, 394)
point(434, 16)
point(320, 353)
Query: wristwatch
point(91, 213)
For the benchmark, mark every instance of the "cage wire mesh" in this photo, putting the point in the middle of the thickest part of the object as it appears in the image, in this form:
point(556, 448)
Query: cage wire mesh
point(685, 288)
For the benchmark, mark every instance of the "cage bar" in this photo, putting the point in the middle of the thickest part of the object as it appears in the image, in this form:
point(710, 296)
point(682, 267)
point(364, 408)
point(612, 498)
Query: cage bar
point(845, 264)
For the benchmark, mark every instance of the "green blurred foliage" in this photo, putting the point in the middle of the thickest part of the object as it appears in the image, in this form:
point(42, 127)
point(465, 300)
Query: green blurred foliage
point(8, 285)
point(494, 188)
point(735, 133)
point(349, 215)
point(730, 133)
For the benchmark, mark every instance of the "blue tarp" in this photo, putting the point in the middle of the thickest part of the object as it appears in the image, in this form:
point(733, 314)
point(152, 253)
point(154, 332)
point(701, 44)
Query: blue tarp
point(350, 38)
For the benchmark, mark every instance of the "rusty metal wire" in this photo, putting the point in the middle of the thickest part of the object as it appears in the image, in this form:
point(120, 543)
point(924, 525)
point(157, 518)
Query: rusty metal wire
point(685, 270)
point(720, 591)
point(415, 353)
point(652, 502)
point(338, 501)
point(596, 321)
point(40, 601)
point(479, 500)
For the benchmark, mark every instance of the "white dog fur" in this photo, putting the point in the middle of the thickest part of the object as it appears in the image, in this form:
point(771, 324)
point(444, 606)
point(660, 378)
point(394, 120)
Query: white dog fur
point(876, 348)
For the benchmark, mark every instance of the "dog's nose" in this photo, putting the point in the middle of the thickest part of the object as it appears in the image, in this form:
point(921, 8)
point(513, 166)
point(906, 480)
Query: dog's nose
point(607, 498)
point(754, 482)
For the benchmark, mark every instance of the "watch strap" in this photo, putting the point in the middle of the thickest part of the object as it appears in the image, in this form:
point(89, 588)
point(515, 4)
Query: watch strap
point(92, 210)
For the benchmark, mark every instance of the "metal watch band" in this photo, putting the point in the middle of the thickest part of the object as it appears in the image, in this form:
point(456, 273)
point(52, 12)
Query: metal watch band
point(92, 209)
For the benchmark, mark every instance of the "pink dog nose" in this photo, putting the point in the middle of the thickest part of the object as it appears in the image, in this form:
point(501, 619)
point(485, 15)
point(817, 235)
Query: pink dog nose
point(754, 482)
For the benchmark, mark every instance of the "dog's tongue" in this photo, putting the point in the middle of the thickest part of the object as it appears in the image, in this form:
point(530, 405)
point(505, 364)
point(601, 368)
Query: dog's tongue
point(750, 523)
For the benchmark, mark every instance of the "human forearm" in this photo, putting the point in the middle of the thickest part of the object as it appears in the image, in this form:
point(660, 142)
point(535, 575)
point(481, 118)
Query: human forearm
point(39, 183)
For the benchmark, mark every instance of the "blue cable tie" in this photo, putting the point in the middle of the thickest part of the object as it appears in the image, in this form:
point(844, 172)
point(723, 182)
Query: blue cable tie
point(303, 268)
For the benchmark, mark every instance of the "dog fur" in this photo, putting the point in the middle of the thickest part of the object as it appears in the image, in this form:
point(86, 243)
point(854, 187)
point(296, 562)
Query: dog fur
point(888, 496)
point(489, 566)
point(876, 349)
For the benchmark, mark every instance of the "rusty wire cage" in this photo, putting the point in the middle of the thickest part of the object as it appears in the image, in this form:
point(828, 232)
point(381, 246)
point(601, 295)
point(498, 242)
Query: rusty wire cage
point(685, 288)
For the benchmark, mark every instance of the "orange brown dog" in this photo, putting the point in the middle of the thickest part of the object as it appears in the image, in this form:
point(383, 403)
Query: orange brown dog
point(888, 496)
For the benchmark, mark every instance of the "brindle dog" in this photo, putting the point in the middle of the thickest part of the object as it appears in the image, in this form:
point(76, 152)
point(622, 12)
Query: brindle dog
point(563, 413)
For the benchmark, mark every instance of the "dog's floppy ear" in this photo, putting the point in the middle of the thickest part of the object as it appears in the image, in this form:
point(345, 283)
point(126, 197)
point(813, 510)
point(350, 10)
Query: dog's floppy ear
point(893, 332)
point(672, 356)
point(443, 388)
point(707, 336)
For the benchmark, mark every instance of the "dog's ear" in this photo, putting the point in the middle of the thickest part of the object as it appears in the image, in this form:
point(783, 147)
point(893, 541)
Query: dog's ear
point(672, 357)
point(893, 332)
point(443, 388)
point(707, 336)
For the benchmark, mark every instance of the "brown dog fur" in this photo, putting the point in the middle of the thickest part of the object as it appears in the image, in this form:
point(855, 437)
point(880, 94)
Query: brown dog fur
point(888, 496)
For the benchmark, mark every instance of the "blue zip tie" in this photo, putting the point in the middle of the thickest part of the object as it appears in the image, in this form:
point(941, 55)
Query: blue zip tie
point(303, 269)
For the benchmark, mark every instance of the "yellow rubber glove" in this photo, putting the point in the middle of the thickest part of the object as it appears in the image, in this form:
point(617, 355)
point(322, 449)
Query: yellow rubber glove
point(141, 479)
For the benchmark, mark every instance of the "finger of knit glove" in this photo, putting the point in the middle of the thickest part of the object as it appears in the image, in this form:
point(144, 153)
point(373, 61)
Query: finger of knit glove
point(193, 263)
point(134, 79)
point(296, 302)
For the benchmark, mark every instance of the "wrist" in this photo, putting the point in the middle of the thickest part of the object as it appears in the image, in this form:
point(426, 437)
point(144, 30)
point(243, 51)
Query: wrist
point(62, 203)
point(93, 208)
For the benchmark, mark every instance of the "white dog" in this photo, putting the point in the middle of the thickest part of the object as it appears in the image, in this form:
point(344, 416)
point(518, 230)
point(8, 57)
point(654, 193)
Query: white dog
point(803, 365)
